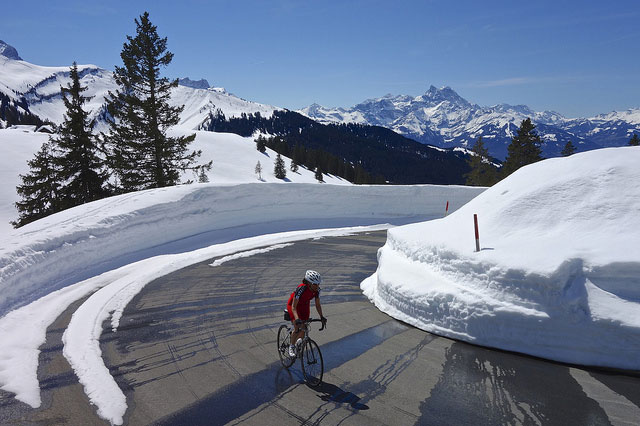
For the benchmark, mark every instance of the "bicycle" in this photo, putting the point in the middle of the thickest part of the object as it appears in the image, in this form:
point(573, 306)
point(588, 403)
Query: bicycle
point(308, 352)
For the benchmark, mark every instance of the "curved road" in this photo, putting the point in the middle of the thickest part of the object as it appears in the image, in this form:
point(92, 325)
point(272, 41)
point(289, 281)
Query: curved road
point(198, 347)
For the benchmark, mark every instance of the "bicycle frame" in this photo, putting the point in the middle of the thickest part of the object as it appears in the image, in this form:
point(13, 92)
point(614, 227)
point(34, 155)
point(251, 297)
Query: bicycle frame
point(306, 337)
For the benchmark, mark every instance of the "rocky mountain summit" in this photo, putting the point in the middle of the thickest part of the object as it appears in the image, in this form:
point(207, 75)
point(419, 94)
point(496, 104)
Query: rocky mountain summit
point(443, 118)
point(9, 51)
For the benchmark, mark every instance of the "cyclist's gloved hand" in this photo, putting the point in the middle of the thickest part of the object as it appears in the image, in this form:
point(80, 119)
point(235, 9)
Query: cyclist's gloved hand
point(324, 321)
point(298, 321)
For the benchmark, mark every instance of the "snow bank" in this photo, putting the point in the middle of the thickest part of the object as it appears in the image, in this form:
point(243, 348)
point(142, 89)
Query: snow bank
point(558, 275)
point(87, 240)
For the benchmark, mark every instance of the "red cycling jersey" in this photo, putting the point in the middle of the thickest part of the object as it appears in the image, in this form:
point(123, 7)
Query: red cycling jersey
point(304, 295)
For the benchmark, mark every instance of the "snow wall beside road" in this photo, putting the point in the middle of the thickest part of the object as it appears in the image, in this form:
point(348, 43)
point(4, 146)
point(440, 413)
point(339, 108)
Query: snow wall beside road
point(87, 240)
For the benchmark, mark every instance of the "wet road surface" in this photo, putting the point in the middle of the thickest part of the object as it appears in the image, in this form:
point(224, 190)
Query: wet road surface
point(199, 347)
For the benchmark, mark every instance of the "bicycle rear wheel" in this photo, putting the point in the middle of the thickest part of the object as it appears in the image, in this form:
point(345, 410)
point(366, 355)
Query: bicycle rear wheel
point(284, 340)
point(312, 364)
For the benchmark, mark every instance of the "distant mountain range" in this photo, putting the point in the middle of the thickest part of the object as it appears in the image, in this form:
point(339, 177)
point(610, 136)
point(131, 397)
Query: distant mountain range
point(443, 118)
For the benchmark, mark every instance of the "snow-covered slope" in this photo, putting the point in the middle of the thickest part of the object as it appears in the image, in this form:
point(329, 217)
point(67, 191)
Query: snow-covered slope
point(558, 274)
point(443, 118)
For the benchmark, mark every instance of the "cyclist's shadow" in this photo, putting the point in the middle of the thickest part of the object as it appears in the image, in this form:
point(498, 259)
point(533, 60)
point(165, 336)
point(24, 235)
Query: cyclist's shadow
point(285, 379)
point(332, 393)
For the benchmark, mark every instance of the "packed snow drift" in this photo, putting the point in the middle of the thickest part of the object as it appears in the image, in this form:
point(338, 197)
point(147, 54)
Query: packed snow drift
point(558, 274)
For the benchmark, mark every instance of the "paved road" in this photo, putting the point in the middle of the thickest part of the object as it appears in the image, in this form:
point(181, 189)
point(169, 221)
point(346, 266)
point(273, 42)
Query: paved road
point(198, 347)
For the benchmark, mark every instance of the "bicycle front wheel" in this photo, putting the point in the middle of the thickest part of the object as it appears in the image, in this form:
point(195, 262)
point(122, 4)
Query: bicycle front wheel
point(284, 340)
point(312, 364)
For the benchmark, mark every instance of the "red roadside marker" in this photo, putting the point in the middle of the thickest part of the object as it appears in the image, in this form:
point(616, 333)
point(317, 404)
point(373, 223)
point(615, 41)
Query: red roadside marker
point(475, 223)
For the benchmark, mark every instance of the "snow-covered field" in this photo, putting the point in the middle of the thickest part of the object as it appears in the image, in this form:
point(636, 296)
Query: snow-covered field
point(558, 274)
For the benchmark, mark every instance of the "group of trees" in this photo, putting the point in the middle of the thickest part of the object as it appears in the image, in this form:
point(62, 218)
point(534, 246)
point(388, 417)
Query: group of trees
point(385, 156)
point(17, 112)
point(525, 148)
point(75, 166)
point(317, 160)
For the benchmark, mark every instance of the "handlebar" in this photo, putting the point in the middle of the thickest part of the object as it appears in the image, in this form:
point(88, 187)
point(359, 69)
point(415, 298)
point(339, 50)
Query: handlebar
point(310, 320)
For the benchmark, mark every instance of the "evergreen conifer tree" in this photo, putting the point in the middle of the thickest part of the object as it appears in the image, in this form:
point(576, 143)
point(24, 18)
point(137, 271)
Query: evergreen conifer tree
point(202, 175)
point(294, 167)
point(319, 176)
point(141, 154)
point(259, 170)
point(67, 171)
point(279, 169)
point(482, 173)
point(81, 172)
point(635, 140)
point(261, 144)
point(524, 148)
point(568, 149)
point(39, 188)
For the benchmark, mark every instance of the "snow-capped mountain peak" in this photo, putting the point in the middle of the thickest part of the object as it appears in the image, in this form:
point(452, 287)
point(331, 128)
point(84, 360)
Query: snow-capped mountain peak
point(444, 94)
point(194, 84)
point(9, 51)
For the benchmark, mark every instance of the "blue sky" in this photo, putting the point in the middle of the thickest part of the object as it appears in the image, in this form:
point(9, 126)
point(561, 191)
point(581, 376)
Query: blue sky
point(578, 58)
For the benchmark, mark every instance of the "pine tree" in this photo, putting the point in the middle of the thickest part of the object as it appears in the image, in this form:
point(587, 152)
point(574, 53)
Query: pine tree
point(67, 171)
point(202, 175)
point(524, 148)
point(319, 176)
point(259, 170)
point(568, 150)
point(81, 171)
point(141, 154)
point(293, 167)
point(279, 169)
point(482, 173)
point(635, 140)
point(261, 144)
point(39, 188)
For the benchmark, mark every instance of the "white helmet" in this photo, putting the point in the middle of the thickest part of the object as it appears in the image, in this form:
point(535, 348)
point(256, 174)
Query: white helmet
point(313, 277)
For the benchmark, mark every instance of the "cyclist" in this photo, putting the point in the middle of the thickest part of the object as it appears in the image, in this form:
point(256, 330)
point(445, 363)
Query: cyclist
point(298, 306)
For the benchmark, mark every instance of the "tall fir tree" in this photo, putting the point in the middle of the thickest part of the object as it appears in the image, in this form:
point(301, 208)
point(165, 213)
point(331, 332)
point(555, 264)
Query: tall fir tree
point(635, 140)
point(319, 176)
point(39, 188)
point(68, 170)
point(525, 148)
point(141, 153)
point(569, 149)
point(261, 144)
point(81, 171)
point(482, 172)
point(279, 169)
